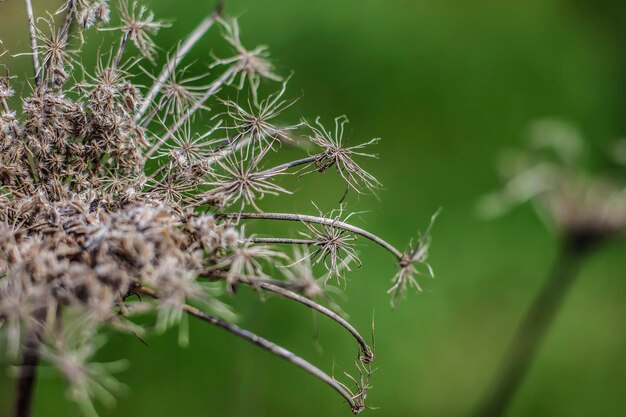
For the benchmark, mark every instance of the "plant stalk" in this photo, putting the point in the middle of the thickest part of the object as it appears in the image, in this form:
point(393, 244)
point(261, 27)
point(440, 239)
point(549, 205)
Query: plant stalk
point(534, 327)
point(33, 38)
point(317, 220)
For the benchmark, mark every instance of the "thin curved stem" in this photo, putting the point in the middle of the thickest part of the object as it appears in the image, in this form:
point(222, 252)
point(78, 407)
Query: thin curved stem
point(264, 344)
point(284, 289)
point(318, 220)
point(368, 354)
point(215, 276)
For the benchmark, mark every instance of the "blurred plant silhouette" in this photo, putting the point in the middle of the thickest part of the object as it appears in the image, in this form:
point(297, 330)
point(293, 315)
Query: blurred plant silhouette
point(585, 209)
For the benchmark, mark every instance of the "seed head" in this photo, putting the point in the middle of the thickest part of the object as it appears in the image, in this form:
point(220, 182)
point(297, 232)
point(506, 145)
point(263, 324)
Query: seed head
point(342, 157)
point(253, 64)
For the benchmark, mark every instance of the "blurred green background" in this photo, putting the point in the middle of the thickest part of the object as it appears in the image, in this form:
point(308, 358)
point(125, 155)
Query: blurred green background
point(448, 85)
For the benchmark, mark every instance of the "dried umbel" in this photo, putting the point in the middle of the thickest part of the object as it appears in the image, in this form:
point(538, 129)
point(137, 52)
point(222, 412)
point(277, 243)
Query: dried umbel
point(113, 204)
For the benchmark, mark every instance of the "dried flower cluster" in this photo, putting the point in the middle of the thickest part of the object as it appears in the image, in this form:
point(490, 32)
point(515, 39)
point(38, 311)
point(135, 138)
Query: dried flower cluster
point(107, 191)
point(578, 203)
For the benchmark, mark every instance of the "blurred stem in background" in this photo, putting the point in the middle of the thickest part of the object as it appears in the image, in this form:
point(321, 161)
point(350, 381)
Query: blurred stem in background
point(574, 250)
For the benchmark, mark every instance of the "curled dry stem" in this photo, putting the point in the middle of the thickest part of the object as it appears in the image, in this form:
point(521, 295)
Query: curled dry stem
point(367, 353)
point(268, 346)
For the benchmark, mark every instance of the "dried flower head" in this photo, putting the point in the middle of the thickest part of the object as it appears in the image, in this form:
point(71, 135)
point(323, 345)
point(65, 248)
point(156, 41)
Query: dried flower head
point(333, 246)
point(342, 157)
point(179, 93)
point(138, 25)
point(108, 190)
point(257, 122)
point(253, 65)
point(416, 256)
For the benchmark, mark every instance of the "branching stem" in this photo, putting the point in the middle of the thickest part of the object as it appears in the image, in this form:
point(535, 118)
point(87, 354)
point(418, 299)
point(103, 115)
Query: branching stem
point(318, 220)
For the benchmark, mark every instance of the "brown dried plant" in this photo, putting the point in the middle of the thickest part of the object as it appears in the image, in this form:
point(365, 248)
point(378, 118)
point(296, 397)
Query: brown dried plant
point(108, 190)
